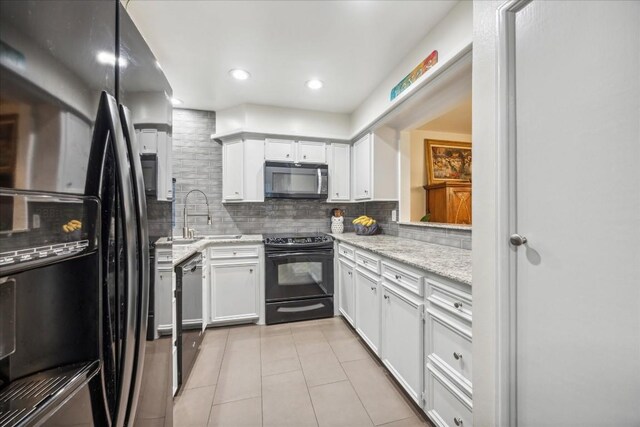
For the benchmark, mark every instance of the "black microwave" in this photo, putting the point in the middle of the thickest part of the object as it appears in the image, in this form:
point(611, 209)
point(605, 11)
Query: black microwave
point(295, 180)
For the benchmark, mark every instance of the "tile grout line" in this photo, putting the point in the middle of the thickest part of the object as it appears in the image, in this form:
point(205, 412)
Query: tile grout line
point(305, 379)
point(224, 353)
point(349, 379)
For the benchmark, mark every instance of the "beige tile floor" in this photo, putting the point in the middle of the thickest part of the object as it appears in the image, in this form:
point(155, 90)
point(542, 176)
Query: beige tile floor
point(315, 373)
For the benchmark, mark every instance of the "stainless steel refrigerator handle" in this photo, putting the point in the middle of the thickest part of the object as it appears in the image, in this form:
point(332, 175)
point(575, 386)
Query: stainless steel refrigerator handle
point(319, 180)
point(123, 170)
point(143, 260)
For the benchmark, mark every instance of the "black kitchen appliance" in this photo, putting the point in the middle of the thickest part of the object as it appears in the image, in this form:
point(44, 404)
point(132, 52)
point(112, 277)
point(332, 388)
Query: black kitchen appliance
point(74, 251)
point(295, 180)
point(190, 331)
point(299, 277)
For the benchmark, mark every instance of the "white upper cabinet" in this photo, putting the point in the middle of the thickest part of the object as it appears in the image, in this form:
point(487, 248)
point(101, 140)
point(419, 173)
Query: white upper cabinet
point(311, 152)
point(362, 168)
point(279, 150)
point(339, 171)
point(233, 170)
point(154, 141)
point(375, 166)
point(243, 170)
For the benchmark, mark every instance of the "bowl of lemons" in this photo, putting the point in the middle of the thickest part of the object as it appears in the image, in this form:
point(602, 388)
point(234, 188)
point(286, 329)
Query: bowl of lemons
point(365, 226)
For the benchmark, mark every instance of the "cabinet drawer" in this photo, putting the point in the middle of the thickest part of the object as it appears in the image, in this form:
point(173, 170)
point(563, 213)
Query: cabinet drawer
point(446, 405)
point(368, 261)
point(346, 251)
point(403, 277)
point(164, 256)
point(451, 300)
point(233, 252)
point(449, 348)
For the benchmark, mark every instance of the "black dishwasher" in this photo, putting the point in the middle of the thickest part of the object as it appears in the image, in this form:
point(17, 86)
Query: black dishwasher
point(188, 314)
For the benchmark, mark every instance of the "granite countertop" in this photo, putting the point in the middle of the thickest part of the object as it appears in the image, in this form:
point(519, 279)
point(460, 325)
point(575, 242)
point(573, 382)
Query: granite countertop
point(451, 263)
point(182, 251)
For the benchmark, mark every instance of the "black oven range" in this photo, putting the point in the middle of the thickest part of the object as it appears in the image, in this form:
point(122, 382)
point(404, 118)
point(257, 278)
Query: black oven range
point(299, 276)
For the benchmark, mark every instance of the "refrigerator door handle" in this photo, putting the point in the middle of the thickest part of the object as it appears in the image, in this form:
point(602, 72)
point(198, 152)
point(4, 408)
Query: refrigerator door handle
point(143, 259)
point(108, 122)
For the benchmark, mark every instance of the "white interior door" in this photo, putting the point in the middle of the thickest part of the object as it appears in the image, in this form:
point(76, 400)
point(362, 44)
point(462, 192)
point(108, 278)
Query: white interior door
point(577, 86)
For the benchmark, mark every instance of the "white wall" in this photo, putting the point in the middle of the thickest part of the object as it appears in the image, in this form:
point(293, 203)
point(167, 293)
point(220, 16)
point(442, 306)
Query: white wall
point(484, 213)
point(451, 36)
point(283, 121)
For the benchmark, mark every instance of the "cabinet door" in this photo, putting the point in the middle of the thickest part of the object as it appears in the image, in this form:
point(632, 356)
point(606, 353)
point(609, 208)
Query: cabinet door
point(401, 346)
point(169, 168)
point(362, 168)
point(235, 290)
point(459, 205)
point(279, 150)
point(233, 170)
point(147, 140)
point(311, 152)
point(340, 172)
point(253, 170)
point(206, 301)
point(347, 290)
point(368, 309)
point(163, 300)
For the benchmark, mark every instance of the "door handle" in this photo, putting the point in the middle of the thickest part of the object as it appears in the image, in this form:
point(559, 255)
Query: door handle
point(517, 240)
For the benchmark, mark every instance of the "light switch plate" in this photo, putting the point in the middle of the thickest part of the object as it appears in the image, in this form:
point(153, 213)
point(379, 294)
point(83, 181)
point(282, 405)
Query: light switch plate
point(394, 215)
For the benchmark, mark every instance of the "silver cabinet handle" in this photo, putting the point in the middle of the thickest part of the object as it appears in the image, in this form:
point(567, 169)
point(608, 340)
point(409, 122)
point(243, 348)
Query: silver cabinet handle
point(251, 270)
point(457, 421)
point(234, 253)
point(517, 240)
point(458, 305)
point(386, 296)
point(304, 157)
point(373, 288)
point(337, 194)
point(287, 155)
point(366, 191)
point(457, 355)
point(349, 273)
point(398, 277)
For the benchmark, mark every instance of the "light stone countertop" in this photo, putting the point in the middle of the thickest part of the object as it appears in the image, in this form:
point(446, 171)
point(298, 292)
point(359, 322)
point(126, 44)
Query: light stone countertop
point(182, 251)
point(451, 263)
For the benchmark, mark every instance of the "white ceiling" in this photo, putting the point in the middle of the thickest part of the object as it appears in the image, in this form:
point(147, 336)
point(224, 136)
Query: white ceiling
point(350, 45)
point(456, 120)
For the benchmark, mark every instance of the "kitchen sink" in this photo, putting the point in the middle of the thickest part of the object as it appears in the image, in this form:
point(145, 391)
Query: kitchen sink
point(183, 241)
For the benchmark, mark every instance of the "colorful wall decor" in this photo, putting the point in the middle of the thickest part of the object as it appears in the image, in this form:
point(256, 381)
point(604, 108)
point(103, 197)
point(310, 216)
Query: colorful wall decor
point(415, 74)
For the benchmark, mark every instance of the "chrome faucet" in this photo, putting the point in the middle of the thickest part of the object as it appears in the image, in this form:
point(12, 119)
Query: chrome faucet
point(185, 229)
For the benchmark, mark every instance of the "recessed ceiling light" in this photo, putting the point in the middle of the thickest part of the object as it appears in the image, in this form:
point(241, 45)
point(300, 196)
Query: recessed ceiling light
point(239, 74)
point(314, 84)
point(110, 59)
point(176, 101)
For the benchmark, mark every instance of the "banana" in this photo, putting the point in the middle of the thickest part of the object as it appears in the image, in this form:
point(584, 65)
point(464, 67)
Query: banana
point(359, 219)
point(75, 222)
point(67, 229)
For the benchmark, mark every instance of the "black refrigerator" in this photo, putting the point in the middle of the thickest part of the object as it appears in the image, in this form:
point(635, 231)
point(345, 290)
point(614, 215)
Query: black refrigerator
point(76, 79)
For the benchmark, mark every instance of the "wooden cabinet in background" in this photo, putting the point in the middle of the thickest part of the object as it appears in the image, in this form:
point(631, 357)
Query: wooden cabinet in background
point(449, 202)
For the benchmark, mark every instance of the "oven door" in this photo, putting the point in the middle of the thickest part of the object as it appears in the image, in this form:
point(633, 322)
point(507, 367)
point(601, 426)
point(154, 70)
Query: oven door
point(295, 181)
point(298, 275)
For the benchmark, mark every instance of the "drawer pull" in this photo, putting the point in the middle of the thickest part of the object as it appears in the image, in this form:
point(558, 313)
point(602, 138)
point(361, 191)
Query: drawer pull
point(457, 355)
point(398, 277)
point(364, 261)
point(457, 421)
point(251, 270)
point(349, 273)
point(386, 296)
point(373, 288)
point(458, 305)
point(235, 253)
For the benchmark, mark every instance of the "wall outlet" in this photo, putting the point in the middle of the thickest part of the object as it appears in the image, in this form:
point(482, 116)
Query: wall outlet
point(394, 215)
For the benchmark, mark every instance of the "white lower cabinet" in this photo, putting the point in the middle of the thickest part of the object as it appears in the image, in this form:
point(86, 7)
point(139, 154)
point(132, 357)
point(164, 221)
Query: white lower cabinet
point(234, 291)
point(163, 301)
point(174, 335)
point(402, 331)
point(346, 297)
point(367, 301)
point(418, 324)
point(448, 350)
